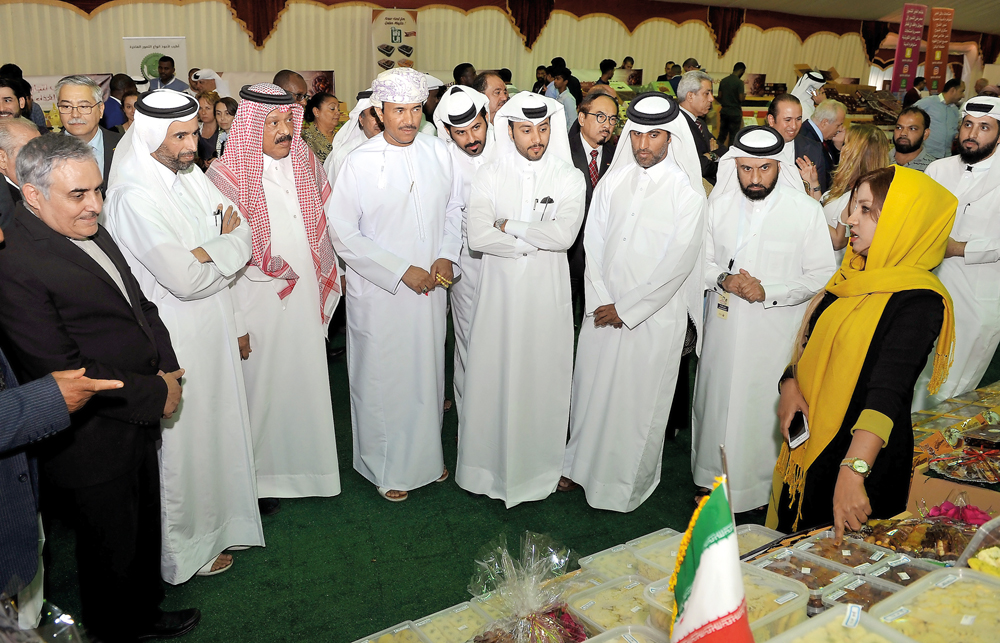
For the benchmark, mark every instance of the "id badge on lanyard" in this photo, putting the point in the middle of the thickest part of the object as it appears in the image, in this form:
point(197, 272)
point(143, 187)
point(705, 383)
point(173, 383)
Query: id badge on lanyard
point(722, 306)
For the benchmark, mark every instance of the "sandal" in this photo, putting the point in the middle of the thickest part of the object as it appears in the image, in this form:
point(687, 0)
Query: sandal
point(444, 476)
point(565, 484)
point(382, 491)
point(207, 570)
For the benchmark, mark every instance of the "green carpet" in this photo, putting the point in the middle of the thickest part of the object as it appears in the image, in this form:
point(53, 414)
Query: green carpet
point(337, 569)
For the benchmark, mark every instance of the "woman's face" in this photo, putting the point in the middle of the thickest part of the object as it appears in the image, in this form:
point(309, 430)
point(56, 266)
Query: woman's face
point(861, 220)
point(838, 138)
point(128, 106)
point(206, 113)
point(222, 117)
point(327, 115)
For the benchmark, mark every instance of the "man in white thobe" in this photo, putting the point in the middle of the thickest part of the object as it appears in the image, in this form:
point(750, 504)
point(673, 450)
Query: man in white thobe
point(361, 125)
point(971, 268)
point(396, 220)
point(286, 295)
point(185, 251)
point(525, 211)
point(461, 120)
point(808, 90)
point(644, 240)
point(767, 252)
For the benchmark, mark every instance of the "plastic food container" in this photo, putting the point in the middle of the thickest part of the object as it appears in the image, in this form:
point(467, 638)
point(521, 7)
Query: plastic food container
point(403, 633)
point(987, 537)
point(611, 563)
point(948, 605)
point(661, 605)
point(613, 604)
point(657, 561)
point(814, 572)
point(629, 634)
point(653, 538)
point(856, 554)
point(902, 570)
point(946, 407)
point(860, 590)
point(918, 418)
point(841, 624)
point(750, 538)
point(454, 625)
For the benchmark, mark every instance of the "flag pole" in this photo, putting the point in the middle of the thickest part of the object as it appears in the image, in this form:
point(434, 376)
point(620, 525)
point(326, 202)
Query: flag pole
point(725, 474)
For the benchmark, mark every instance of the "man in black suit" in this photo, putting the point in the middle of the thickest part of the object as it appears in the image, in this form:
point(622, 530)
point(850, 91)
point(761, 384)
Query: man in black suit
point(694, 95)
point(784, 114)
point(824, 124)
point(67, 301)
point(81, 106)
point(592, 146)
point(14, 134)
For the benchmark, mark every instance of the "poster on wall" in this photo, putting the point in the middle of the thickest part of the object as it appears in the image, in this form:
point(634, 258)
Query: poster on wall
point(938, 45)
point(911, 30)
point(142, 55)
point(394, 38)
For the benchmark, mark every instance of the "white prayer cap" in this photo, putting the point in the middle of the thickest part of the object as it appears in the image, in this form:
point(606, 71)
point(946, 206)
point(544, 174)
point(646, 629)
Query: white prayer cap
point(982, 106)
point(759, 142)
point(139, 80)
point(402, 85)
point(533, 108)
point(459, 106)
point(205, 74)
point(804, 88)
point(432, 82)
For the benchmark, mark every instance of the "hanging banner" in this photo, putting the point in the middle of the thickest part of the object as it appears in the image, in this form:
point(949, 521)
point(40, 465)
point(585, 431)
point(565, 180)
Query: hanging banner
point(142, 55)
point(938, 44)
point(911, 30)
point(394, 38)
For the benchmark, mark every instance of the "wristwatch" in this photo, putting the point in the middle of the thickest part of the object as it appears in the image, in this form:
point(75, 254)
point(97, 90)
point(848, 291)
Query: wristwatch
point(721, 278)
point(499, 223)
point(857, 465)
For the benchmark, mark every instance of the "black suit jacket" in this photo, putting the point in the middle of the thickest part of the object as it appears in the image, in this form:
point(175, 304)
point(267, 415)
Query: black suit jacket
point(825, 168)
point(581, 159)
point(111, 139)
point(60, 310)
point(807, 146)
point(709, 168)
point(7, 202)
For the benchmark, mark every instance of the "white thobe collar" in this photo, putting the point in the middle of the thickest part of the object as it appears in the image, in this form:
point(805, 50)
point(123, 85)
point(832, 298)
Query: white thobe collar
point(524, 165)
point(169, 177)
point(980, 167)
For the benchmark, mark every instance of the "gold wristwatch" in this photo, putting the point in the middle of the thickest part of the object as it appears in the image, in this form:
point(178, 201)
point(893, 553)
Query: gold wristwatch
point(857, 465)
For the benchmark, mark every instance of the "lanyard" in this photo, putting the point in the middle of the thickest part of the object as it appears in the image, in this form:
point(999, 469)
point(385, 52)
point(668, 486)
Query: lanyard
point(740, 243)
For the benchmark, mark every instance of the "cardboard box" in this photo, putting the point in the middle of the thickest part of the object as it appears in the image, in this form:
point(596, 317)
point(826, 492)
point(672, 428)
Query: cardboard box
point(930, 492)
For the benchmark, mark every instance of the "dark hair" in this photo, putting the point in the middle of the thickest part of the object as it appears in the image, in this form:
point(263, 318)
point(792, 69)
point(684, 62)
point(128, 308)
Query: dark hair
point(460, 70)
point(315, 101)
point(542, 67)
point(589, 99)
point(285, 75)
point(739, 67)
point(691, 62)
point(505, 75)
point(129, 92)
point(371, 112)
point(607, 65)
point(192, 70)
point(670, 64)
point(772, 108)
point(165, 59)
point(551, 70)
point(479, 84)
point(878, 182)
point(558, 62)
point(918, 80)
point(913, 109)
point(676, 69)
point(628, 59)
point(230, 103)
point(10, 70)
point(121, 82)
point(15, 84)
point(562, 73)
point(951, 84)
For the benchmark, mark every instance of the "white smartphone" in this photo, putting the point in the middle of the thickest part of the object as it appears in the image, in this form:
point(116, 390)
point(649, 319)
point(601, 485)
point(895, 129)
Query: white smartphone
point(798, 430)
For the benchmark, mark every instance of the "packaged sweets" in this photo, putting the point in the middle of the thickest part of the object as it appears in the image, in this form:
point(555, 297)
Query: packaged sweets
point(615, 603)
point(860, 590)
point(902, 570)
point(611, 563)
point(856, 554)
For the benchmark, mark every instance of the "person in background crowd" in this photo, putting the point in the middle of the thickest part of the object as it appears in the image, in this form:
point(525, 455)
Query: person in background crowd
point(225, 112)
point(293, 83)
point(507, 76)
point(208, 129)
point(574, 83)
point(322, 116)
point(971, 267)
point(913, 126)
point(35, 114)
point(525, 211)
point(14, 135)
point(866, 149)
point(493, 86)
point(193, 85)
point(945, 117)
point(676, 72)
point(628, 62)
point(732, 91)
point(114, 114)
point(286, 295)
point(667, 71)
point(79, 100)
point(645, 250)
point(67, 301)
point(694, 95)
point(12, 100)
point(767, 253)
point(550, 88)
point(129, 99)
point(607, 71)
point(396, 220)
point(362, 124)
point(158, 212)
point(435, 90)
point(784, 115)
point(210, 81)
point(980, 86)
point(826, 122)
point(167, 80)
point(913, 94)
point(464, 74)
point(560, 79)
point(860, 346)
point(809, 90)
point(541, 80)
point(835, 145)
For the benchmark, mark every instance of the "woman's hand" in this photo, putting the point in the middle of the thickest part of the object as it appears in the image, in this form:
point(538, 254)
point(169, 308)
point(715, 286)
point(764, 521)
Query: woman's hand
point(850, 502)
point(791, 402)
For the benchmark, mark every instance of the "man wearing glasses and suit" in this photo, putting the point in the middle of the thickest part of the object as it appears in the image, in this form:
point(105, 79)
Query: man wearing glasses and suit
point(81, 106)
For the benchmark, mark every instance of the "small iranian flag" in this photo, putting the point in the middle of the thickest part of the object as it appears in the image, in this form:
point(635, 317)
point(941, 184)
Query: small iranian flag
point(707, 581)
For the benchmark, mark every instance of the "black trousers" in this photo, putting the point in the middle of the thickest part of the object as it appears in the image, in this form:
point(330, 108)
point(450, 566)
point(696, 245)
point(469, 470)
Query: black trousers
point(117, 526)
point(680, 408)
point(728, 127)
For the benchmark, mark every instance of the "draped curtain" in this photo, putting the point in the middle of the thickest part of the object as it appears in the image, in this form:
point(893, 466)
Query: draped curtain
point(529, 17)
point(725, 22)
point(873, 32)
point(989, 47)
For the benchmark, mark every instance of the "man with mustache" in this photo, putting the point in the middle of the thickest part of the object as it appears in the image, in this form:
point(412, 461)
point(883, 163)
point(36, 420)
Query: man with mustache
point(913, 126)
point(362, 124)
point(286, 295)
point(524, 213)
point(767, 252)
point(971, 268)
point(81, 105)
point(164, 215)
point(396, 220)
point(644, 239)
point(461, 119)
point(12, 99)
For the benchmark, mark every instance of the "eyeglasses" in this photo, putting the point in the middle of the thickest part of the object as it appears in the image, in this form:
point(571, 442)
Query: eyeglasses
point(299, 97)
point(83, 109)
point(601, 117)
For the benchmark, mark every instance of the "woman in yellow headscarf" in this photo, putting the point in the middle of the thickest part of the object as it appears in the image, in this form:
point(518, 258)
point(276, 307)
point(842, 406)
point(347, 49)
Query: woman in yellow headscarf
point(864, 341)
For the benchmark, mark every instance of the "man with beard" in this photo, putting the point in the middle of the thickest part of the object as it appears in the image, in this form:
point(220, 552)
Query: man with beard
point(12, 99)
point(767, 253)
point(592, 148)
point(945, 117)
point(525, 211)
point(396, 220)
point(784, 115)
point(185, 251)
point(644, 242)
point(286, 295)
point(541, 80)
point(492, 86)
point(971, 268)
point(362, 124)
point(913, 126)
point(462, 125)
point(81, 105)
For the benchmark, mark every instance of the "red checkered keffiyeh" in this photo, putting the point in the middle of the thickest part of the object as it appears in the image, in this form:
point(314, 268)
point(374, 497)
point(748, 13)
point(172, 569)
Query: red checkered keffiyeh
point(238, 175)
